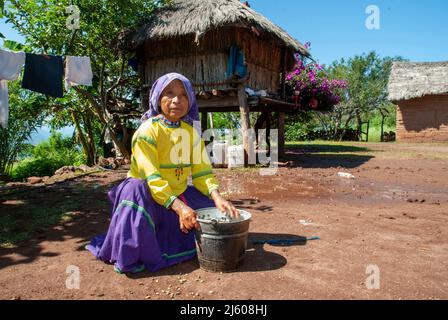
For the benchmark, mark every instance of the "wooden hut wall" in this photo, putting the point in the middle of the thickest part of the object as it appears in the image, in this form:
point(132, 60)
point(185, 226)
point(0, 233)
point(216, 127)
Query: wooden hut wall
point(263, 58)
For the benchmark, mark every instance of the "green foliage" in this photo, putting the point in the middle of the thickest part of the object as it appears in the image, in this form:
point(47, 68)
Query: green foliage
point(26, 114)
point(299, 126)
point(228, 120)
point(35, 167)
point(365, 97)
point(48, 156)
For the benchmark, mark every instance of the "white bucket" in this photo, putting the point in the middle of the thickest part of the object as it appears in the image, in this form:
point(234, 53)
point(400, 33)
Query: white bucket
point(236, 156)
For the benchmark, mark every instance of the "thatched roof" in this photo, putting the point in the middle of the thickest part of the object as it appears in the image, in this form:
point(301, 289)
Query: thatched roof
point(414, 80)
point(184, 17)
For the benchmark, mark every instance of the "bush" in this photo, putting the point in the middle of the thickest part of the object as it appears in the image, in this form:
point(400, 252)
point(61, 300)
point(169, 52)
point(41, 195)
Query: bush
point(49, 156)
point(299, 126)
point(39, 167)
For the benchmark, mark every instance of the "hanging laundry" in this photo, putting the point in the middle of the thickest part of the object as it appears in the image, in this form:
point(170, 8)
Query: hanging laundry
point(11, 64)
point(43, 74)
point(235, 63)
point(4, 104)
point(78, 71)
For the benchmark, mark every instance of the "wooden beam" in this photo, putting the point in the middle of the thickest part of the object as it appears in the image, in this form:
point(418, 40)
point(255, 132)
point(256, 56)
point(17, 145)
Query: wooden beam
point(231, 104)
point(274, 102)
point(258, 108)
point(281, 135)
point(218, 102)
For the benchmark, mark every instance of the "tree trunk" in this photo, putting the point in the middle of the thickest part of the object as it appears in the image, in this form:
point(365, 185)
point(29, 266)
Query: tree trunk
point(85, 145)
point(101, 112)
point(90, 135)
point(359, 121)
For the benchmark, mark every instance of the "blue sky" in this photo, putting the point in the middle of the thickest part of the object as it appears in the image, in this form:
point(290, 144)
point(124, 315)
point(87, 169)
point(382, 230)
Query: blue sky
point(414, 29)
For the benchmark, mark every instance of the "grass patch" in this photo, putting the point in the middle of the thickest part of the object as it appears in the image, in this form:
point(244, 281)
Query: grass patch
point(375, 133)
point(322, 147)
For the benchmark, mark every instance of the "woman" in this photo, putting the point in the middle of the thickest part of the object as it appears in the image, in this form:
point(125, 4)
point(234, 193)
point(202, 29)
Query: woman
point(153, 213)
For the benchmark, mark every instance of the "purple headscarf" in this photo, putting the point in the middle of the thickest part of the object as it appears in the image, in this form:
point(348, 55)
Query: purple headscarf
point(160, 85)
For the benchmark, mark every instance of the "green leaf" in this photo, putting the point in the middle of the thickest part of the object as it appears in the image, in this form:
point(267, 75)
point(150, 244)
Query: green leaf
point(13, 45)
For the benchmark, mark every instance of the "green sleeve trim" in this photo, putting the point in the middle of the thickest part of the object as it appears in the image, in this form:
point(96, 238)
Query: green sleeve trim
point(201, 174)
point(153, 177)
point(147, 139)
point(211, 190)
point(169, 202)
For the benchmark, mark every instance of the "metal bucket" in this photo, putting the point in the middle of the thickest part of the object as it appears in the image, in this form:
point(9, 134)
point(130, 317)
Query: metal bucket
point(221, 243)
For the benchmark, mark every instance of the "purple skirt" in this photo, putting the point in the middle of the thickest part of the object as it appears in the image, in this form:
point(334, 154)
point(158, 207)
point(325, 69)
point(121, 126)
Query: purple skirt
point(143, 234)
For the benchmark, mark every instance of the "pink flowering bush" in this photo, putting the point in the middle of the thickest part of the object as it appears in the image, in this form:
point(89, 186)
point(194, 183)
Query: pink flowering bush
point(312, 88)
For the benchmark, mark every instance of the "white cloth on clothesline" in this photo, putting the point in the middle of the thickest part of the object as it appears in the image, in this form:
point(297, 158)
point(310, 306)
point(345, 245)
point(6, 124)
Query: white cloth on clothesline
point(78, 71)
point(4, 103)
point(11, 63)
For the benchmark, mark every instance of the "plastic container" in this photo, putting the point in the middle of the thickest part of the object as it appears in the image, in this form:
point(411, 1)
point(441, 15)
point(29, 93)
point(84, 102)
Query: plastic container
point(220, 152)
point(221, 243)
point(235, 156)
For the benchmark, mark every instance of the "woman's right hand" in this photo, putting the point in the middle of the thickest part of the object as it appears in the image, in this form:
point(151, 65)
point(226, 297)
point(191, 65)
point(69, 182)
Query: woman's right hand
point(187, 216)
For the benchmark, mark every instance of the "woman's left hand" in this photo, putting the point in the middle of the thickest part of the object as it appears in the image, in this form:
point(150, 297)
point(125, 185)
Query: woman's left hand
point(224, 206)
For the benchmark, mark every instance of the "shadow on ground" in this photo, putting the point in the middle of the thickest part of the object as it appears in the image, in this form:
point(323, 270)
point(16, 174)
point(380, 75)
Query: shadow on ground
point(75, 209)
point(326, 156)
point(257, 258)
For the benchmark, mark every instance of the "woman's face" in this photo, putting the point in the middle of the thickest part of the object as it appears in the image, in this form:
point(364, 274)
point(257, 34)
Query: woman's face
point(174, 101)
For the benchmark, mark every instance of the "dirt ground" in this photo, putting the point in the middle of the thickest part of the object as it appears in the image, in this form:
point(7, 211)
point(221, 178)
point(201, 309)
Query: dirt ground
point(393, 215)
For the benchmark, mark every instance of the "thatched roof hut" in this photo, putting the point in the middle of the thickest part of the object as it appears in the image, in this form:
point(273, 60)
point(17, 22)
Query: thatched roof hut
point(420, 90)
point(197, 17)
point(195, 38)
point(415, 80)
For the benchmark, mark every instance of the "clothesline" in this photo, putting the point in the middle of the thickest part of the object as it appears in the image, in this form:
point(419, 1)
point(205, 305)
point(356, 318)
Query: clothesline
point(42, 74)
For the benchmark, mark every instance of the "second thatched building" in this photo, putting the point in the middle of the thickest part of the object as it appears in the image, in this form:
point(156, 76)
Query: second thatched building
point(420, 91)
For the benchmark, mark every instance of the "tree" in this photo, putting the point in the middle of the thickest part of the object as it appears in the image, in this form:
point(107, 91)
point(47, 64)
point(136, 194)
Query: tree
point(48, 28)
point(367, 77)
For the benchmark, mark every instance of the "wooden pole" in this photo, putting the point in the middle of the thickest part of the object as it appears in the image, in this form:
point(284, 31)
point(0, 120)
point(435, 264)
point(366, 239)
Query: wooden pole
point(211, 120)
point(283, 65)
point(245, 122)
point(281, 135)
point(203, 121)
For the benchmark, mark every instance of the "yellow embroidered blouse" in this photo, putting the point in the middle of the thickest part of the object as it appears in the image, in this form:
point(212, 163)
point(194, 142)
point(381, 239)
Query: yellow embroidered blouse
point(165, 156)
